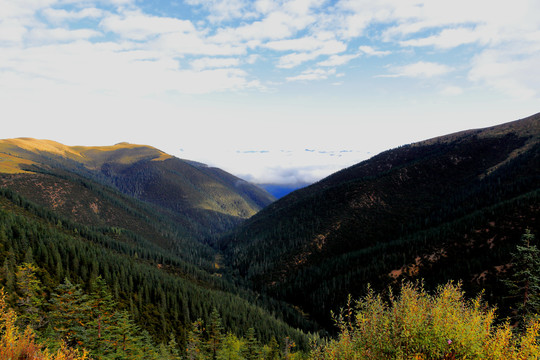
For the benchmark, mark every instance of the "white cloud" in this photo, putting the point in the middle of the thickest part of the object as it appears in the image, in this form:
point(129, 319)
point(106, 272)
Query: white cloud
point(59, 15)
point(420, 69)
point(252, 59)
point(303, 44)
point(179, 44)
point(292, 60)
point(12, 31)
point(368, 50)
point(17, 16)
point(22, 9)
point(337, 60)
point(452, 90)
point(450, 38)
point(307, 48)
point(62, 35)
point(265, 6)
point(276, 25)
point(313, 74)
point(138, 26)
point(508, 71)
point(114, 69)
point(205, 63)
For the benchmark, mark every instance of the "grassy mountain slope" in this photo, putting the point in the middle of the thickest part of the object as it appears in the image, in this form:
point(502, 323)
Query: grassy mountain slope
point(452, 207)
point(203, 200)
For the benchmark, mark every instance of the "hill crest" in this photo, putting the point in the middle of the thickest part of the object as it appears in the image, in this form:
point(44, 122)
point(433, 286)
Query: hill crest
point(30, 150)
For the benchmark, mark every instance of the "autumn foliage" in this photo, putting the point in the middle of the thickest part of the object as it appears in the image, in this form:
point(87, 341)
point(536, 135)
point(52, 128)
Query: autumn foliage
point(417, 325)
point(21, 344)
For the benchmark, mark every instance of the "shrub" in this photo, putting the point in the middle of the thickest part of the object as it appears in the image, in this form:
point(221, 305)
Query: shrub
point(17, 344)
point(417, 325)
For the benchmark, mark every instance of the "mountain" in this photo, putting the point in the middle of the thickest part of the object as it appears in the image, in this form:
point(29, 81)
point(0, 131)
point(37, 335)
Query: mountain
point(141, 220)
point(201, 201)
point(452, 207)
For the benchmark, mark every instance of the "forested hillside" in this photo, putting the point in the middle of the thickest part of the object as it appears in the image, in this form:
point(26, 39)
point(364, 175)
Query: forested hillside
point(85, 183)
point(161, 293)
point(139, 220)
point(448, 208)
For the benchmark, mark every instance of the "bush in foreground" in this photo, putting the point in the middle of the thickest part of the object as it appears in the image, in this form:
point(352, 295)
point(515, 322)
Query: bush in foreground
point(18, 344)
point(417, 325)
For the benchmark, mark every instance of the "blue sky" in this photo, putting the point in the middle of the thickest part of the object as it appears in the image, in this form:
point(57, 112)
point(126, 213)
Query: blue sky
point(272, 91)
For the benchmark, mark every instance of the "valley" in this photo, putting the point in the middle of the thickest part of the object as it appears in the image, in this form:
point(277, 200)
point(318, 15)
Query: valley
point(188, 254)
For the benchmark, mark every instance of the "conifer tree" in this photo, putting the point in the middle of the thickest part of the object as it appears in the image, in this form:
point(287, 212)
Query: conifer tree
point(102, 307)
point(7, 276)
point(194, 347)
point(172, 347)
point(524, 284)
point(31, 299)
point(124, 336)
point(251, 351)
point(69, 313)
point(273, 350)
point(215, 334)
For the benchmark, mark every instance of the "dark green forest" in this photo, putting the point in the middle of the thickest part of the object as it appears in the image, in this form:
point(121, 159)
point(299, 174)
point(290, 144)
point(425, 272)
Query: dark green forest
point(162, 293)
point(449, 209)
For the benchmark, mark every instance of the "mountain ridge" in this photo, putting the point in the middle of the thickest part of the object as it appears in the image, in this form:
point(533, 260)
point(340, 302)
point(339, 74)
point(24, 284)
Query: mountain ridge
point(202, 200)
point(327, 239)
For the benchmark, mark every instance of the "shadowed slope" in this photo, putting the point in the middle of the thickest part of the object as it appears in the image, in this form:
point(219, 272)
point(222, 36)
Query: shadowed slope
point(408, 210)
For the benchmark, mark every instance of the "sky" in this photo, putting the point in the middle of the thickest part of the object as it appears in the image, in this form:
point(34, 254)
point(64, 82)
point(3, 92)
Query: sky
point(281, 92)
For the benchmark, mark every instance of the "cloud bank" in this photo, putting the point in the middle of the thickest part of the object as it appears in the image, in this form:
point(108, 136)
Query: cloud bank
point(161, 67)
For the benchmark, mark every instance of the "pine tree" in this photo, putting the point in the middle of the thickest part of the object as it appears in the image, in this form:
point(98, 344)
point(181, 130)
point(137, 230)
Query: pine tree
point(215, 334)
point(124, 336)
point(194, 346)
point(251, 351)
point(7, 276)
point(69, 313)
point(31, 299)
point(102, 308)
point(273, 350)
point(172, 347)
point(524, 284)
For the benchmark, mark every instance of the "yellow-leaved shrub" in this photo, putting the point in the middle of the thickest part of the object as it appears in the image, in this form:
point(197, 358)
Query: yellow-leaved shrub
point(417, 325)
point(17, 344)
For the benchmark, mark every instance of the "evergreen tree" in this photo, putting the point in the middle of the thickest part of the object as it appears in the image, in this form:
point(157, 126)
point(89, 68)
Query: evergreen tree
point(251, 351)
point(273, 350)
point(102, 308)
point(31, 299)
point(124, 336)
point(7, 276)
point(69, 313)
point(194, 347)
point(215, 334)
point(172, 348)
point(524, 284)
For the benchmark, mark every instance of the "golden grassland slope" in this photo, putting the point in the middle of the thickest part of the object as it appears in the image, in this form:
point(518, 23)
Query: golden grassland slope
point(80, 182)
point(17, 154)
